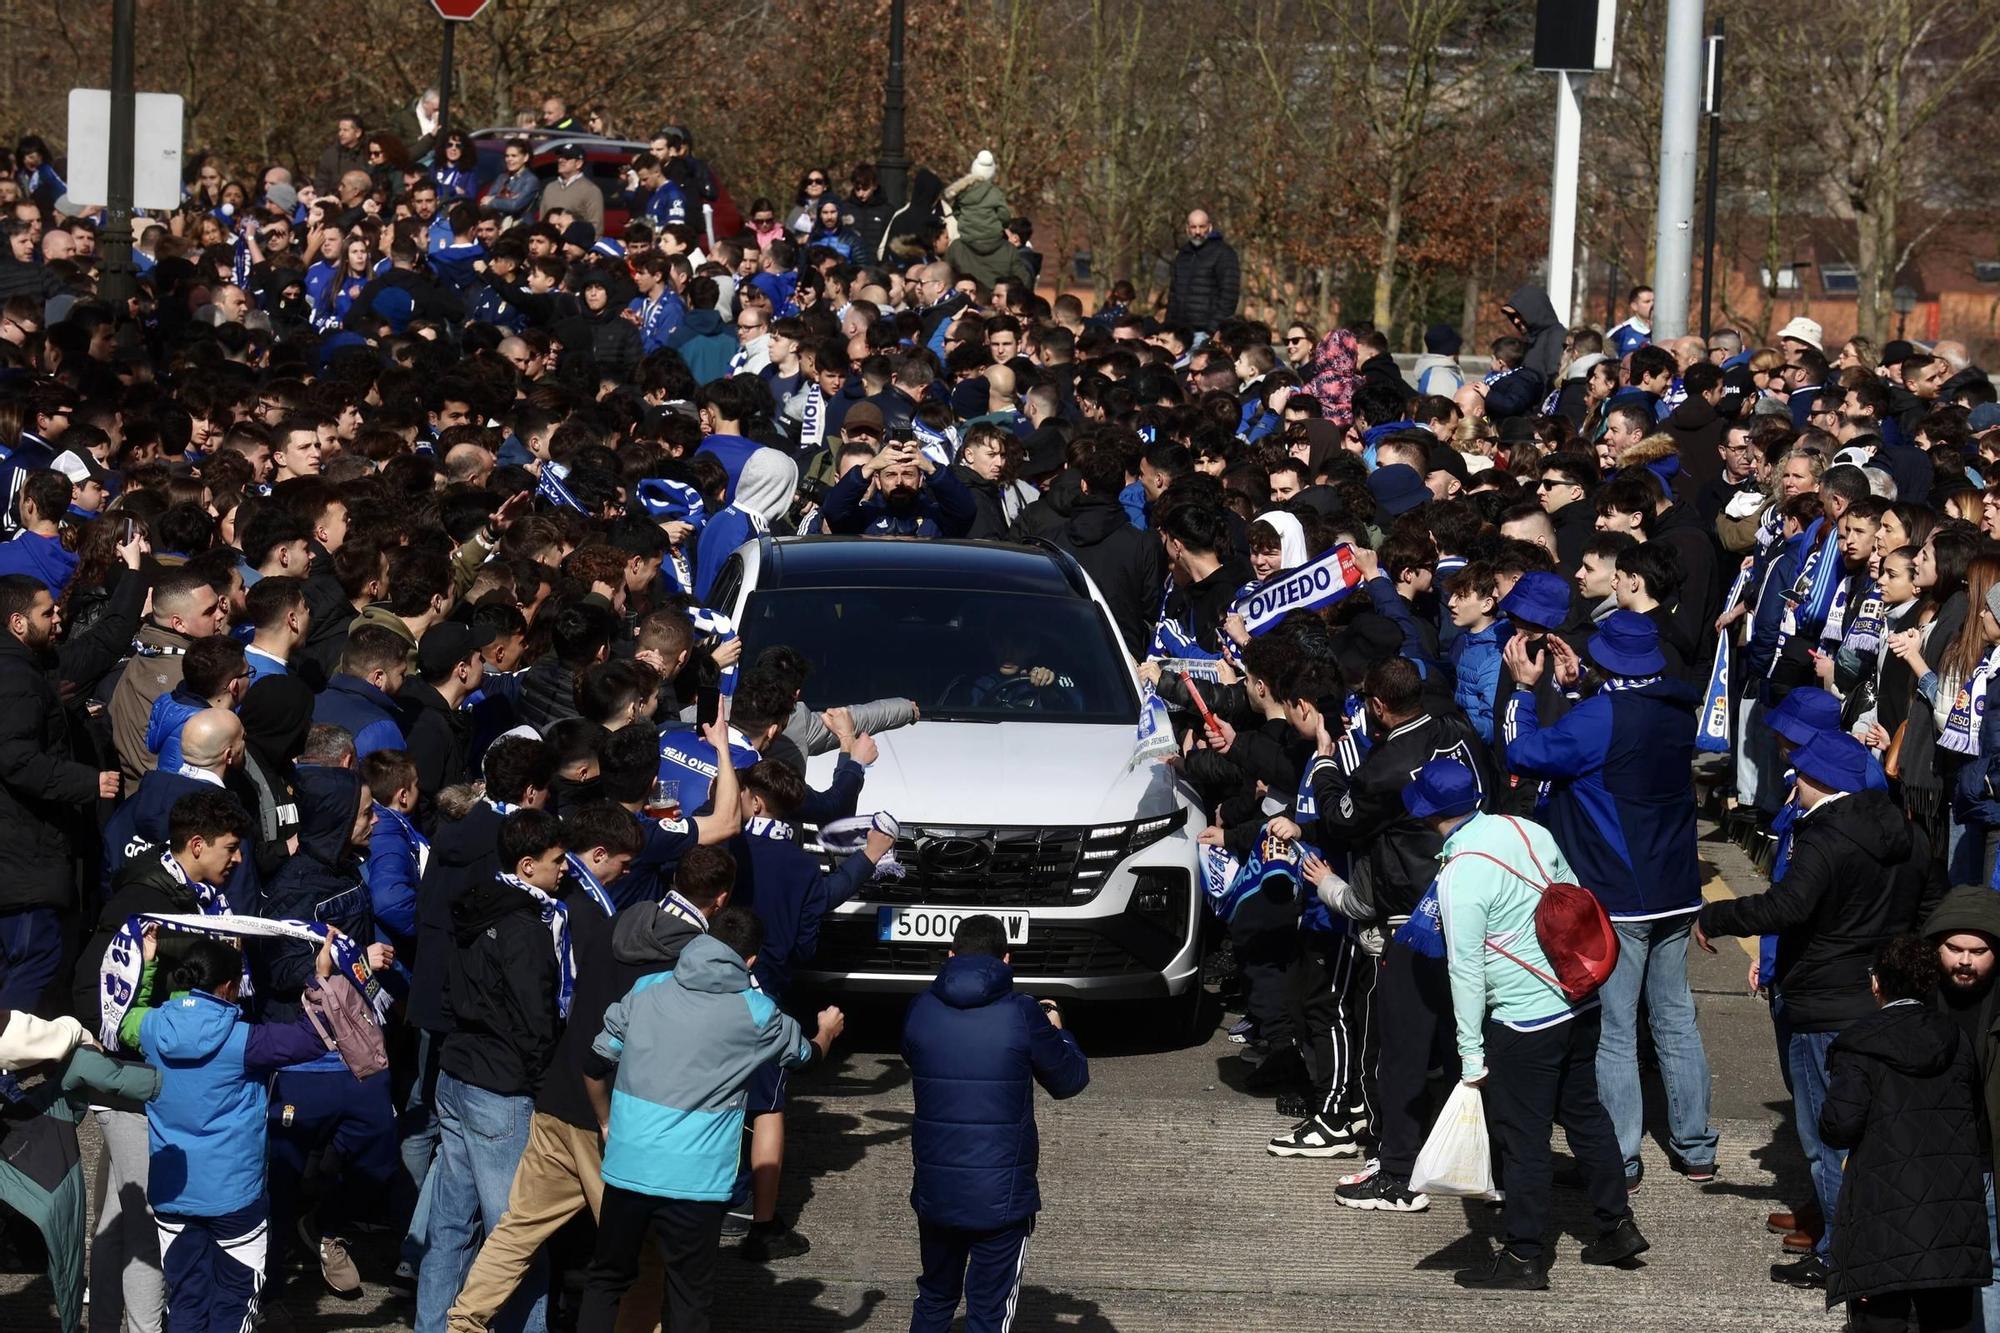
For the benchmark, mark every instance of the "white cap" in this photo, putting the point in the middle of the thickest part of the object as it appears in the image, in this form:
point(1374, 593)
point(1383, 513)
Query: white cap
point(70, 465)
point(984, 166)
point(1803, 330)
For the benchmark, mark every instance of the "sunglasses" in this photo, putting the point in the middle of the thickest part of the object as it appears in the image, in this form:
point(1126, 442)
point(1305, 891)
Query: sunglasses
point(1298, 340)
point(1550, 483)
point(815, 180)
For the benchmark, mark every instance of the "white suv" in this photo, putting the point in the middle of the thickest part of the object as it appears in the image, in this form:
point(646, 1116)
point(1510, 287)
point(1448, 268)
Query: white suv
point(1015, 791)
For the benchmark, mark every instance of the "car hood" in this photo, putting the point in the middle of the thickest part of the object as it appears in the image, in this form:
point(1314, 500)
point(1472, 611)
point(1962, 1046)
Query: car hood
point(1010, 773)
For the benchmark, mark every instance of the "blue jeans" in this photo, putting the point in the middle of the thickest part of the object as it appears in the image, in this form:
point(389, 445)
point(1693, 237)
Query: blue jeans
point(1807, 1057)
point(1652, 960)
point(481, 1136)
point(417, 1125)
point(1989, 1295)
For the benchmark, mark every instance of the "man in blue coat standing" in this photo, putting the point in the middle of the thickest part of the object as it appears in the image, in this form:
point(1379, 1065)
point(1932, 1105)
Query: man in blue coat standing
point(976, 1047)
point(1622, 810)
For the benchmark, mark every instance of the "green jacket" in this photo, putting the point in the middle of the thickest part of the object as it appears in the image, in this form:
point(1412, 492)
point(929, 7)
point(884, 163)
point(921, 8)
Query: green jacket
point(1481, 902)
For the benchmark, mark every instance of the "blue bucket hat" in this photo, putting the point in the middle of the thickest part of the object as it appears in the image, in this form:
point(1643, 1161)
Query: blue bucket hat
point(1804, 713)
point(1538, 598)
point(1443, 787)
point(1398, 488)
point(1627, 644)
point(1833, 760)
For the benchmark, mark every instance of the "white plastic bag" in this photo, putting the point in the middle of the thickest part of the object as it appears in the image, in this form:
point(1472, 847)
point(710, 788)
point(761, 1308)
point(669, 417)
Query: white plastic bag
point(1457, 1160)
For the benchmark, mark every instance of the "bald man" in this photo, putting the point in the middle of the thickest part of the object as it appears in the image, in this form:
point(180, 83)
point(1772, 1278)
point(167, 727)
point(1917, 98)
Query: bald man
point(468, 463)
point(212, 741)
point(999, 389)
point(211, 744)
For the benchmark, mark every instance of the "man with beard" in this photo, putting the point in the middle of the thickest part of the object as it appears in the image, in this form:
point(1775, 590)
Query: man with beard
point(47, 795)
point(1965, 926)
point(899, 493)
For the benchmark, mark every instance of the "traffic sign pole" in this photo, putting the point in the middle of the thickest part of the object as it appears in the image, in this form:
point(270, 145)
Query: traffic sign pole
point(453, 12)
point(444, 92)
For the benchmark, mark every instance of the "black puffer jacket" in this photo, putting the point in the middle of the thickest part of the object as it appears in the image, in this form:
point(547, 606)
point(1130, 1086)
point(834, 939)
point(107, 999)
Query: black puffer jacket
point(1127, 565)
point(1396, 854)
point(502, 992)
point(1860, 872)
point(1903, 1097)
point(1206, 283)
point(548, 694)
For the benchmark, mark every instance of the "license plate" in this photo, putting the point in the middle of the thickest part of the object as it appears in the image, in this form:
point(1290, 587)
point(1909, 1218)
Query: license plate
point(936, 925)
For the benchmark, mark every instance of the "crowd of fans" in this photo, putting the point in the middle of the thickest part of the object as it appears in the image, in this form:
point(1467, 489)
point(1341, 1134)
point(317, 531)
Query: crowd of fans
point(358, 595)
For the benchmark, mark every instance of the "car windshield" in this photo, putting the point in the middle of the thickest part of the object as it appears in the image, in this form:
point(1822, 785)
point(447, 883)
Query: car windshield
point(965, 656)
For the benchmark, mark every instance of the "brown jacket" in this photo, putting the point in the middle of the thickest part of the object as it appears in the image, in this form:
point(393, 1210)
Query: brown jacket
point(153, 671)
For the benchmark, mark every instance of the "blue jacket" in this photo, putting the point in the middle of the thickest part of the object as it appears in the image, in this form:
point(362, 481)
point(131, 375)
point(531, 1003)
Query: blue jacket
point(689, 760)
point(732, 451)
point(976, 1047)
point(782, 883)
point(706, 344)
point(42, 557)
point(322, 884)
point(365, 711)
point(206, 1129)
point(719, 538)
point(685, 1044)
point(945, 508)
point(658, 319)
point(1475, 657)
point(163, 726)
point(1622, 808)
point(396, 856)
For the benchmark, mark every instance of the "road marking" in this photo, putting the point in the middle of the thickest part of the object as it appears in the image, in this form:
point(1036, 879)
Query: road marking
point(1716, 890)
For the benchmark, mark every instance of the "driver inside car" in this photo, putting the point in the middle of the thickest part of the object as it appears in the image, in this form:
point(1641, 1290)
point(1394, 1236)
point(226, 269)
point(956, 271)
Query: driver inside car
point(1017, 687)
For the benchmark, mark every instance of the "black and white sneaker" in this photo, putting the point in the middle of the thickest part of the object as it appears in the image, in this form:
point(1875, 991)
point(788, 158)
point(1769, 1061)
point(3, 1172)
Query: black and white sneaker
point(1313, 1137)
point(1381, 1193)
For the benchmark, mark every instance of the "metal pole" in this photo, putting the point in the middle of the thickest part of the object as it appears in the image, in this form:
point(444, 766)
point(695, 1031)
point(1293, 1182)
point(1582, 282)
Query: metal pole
point(118, 283)
point(1680, 139)
point(1562, 199)
point(444, 92)
point(893, 166)
point(1713, 98)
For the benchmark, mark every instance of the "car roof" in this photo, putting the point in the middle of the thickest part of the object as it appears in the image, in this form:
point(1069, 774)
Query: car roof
point(849, 562)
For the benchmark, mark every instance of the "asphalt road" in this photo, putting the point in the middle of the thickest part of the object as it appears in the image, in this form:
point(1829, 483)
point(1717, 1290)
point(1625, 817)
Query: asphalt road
point(1163, 1210)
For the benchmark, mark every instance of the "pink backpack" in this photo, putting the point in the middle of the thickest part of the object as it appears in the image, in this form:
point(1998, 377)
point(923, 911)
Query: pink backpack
point(345, 1025)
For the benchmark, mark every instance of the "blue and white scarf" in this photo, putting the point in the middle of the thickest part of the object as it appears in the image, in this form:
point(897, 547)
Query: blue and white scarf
point(1313, 585)
point(551, 488)
point(1960, 732)
point(1863, 634)
point(589, 883)
point(664, 499)
point(844, 837)
point(1712, 734)
point(555, 916)
point(941, 447)
point(119, 974)
point(812, 418)
point(1155, 738)
point(716, 626)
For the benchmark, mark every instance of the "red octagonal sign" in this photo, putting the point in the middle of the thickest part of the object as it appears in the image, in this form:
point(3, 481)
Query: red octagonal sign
point(460, 10)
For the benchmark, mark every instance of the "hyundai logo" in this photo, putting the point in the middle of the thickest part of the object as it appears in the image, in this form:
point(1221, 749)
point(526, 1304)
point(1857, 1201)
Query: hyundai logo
point(954, 856)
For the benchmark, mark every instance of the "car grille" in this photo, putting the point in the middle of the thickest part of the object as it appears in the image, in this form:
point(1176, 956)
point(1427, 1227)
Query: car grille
point(1008, 867)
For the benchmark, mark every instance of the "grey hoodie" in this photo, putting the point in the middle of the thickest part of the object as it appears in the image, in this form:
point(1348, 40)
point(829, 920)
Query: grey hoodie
point(767, 484)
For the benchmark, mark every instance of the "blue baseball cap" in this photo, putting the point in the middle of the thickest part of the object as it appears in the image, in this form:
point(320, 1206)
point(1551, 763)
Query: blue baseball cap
point(1398, 488)
point(1443, 787)
point(1627, 644)
point(1833, 760)
point(1538, 598)
point(1804, 713)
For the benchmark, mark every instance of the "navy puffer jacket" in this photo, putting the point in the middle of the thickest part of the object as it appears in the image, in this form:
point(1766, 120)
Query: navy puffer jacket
point(976, 1047)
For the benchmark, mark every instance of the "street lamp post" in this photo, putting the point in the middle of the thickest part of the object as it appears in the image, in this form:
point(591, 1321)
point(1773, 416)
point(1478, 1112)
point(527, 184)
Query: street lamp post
point(119, 283)
point(1904, 299)
point(892, 168)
